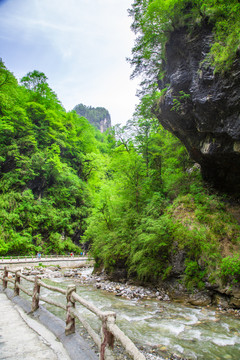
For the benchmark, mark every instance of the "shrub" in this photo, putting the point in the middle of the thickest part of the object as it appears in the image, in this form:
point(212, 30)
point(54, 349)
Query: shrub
point(230, 268)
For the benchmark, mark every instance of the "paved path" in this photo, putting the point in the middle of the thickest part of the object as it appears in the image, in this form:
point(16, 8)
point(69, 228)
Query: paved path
point(25, 338)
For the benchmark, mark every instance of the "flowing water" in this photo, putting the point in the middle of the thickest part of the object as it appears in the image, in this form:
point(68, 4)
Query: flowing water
point(189, 332)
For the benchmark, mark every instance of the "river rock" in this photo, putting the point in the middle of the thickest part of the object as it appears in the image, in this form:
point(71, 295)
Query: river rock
point(221, 301)
point(175, 290)
point(200, 299)
point(35, 272)
point(235, 297)
point(68, 274)
point(26, 272)
point(235, 291)
point(124, 290)
point(234, 302)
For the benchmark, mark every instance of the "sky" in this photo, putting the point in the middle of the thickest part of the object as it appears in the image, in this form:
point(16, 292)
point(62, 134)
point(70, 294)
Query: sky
point(80, 45)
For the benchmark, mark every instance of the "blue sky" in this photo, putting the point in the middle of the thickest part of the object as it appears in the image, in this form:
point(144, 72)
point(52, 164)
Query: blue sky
point(80, 45)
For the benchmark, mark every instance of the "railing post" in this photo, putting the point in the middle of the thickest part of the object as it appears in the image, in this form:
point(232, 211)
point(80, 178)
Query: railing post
point(5, 275)
point(36, 292)
point(107, 336)
point(70, 320)
point(17, 281)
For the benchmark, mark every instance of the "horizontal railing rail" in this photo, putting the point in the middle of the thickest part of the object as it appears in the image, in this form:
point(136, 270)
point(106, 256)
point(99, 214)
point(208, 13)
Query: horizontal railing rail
point(40, 257)
point(109, 329)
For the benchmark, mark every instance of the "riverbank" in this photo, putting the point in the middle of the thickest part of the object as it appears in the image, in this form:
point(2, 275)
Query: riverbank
point(145, 304)
point(169, 292)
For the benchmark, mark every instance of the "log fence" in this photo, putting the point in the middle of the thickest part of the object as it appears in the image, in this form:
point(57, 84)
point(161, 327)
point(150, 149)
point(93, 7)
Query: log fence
point(109, 329)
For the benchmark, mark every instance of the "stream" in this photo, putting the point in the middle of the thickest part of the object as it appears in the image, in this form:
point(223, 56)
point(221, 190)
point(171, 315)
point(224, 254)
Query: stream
point(162, 328)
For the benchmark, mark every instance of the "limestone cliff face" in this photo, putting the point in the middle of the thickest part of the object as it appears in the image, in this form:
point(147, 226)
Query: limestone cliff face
point(98, 117)
point(202, 108)
point(104, 124)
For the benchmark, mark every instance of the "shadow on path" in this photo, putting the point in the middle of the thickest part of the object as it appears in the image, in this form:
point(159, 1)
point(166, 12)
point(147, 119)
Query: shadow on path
point(30, 336)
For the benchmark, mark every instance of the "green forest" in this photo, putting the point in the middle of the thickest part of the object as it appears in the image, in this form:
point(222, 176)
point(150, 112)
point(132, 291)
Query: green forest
point(131, 196)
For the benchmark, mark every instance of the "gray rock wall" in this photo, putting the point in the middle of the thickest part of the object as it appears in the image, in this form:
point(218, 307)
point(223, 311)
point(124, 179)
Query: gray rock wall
point(202, 108)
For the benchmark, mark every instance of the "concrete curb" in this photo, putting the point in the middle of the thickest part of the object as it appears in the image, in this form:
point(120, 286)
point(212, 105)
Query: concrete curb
point(76, 347)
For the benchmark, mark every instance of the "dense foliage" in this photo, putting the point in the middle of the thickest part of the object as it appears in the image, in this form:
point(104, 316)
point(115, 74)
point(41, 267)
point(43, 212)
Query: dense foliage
point(45, 162)
point(96, 116)
point(132, 194)
point(155, 20)
point(152, 205)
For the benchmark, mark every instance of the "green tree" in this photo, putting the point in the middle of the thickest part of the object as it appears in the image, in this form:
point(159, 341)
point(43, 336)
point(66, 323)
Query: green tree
point(38, 89)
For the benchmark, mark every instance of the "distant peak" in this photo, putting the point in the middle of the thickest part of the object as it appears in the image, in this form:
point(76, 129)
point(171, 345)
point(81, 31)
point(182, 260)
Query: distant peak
point(98, 117)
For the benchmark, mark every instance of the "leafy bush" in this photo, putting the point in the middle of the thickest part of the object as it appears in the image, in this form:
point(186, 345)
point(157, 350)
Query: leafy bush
point(149, 256)
point(194, 275)
point(230, 268)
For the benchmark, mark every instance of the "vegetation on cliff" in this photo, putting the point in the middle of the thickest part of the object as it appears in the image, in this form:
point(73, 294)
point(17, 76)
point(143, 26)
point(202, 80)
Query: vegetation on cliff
point(99, 116)
point(188, 55)
point(155, 20)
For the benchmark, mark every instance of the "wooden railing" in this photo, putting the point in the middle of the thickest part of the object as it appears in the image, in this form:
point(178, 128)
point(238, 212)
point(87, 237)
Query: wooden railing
point(43, 258)
point(109, 330)
point(49, 256)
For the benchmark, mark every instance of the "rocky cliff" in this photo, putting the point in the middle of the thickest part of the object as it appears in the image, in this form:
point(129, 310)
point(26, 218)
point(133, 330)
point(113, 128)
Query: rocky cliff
point(201, 107)
point(98, 117)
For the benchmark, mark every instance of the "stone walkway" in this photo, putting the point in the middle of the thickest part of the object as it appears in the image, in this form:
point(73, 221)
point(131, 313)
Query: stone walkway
point(25, 338)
